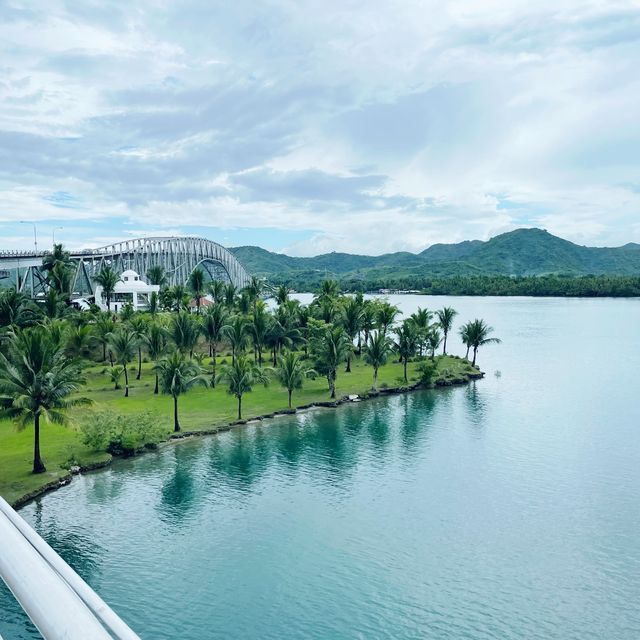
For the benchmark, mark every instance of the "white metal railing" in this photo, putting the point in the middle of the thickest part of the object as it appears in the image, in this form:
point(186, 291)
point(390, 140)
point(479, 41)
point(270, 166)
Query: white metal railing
point(59, 602)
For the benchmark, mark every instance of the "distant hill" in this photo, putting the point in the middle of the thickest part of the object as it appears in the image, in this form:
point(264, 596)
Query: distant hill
point(523, 252)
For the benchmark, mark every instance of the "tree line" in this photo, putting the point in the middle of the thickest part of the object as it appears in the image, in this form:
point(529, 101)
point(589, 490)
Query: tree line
point(46, 343)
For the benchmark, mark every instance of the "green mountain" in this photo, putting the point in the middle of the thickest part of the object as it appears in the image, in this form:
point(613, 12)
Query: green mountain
point(523, 252)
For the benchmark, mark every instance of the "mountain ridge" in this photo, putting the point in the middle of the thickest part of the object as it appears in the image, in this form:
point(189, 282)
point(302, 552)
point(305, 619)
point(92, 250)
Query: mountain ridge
point(521, 252)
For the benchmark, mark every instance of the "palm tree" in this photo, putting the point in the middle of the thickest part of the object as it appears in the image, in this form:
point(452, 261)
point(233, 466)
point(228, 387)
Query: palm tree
point(376, 353)
point(156, 275)
point(230, 295)
point(53, 305)
point(259, 329)
point(156, 339)
point(407, 343)
point(16, 309)
point(292, 371)
point(197, 286)
point(351, 321)
point(138, 324)
point(422, 318)
point(36, 381)
point(433, 341)
point(178, 298)
point(464, 336)
point(177, 376)
point(329, 289)
point(478, 335)
point(282, 294)
point(103, 326)
point(386, 316)
point(237, 333)
point(244, 303)
point(78, 340)
point(369, 313)
point(59, 269)
point(446, 316)
point(213, 327)
point(241, 376)
point(330, 349)
point(185, 331)
point(115, 373)
point(216, 290)
point(107, 278)
point(254, 289)
point(123, 343)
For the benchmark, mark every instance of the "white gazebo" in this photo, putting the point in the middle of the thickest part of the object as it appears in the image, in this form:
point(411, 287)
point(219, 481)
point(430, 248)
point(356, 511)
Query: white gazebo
point(131, 289)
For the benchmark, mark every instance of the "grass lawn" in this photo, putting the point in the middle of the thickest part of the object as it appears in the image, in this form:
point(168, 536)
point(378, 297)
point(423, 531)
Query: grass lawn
point(200, 409)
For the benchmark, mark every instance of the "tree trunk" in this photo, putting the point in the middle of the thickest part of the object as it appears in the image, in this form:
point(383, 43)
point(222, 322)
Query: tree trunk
point(332, 385)
point(239, 407)
point(290, 392)
point(110, 358)
point(348, 369)
point(176, 422)
point(38, 466)
point(375, 378)
point(260, 356)
point(359, 348)
point(210, 350)
point(444, 345)
point(213, 363)
point(404, 364)
point(475, 351)
point(126, 382)
point(104, 352)
point(155, 390)
point(139, 363)
point(466, 355)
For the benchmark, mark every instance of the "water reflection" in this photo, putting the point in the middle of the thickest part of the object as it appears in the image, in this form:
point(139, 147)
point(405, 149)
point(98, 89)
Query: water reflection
point(178, 492)
point(476, 405)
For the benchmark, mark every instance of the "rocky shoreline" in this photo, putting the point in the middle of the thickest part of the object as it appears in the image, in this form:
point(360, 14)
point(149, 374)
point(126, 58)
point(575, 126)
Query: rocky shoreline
point(330, 404)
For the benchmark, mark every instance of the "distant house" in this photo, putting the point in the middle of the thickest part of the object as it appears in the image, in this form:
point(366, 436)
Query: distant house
point(204, 303)
point(130, 290)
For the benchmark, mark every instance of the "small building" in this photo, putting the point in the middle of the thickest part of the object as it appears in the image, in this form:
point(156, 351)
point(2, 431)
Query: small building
point(130, 290)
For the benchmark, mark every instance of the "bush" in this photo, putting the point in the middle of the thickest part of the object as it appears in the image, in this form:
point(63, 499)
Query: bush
point(427, 371)
point(120, 434)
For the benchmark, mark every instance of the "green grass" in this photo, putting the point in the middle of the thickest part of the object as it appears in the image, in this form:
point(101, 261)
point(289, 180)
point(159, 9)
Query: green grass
point(201, 409)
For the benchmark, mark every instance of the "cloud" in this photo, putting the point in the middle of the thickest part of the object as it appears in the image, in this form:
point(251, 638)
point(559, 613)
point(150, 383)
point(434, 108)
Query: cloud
point(348, 127)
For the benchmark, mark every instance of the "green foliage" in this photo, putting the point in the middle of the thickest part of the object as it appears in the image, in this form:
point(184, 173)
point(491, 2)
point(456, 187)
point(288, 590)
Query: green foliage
point(426, 372)
point(121, 434)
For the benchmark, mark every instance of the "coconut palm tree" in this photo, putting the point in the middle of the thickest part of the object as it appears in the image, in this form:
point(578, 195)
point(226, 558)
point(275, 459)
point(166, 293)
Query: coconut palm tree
point(36, 382)
point(376, 353)
point(330, 349)
point(241, 376)
point(216, 290)
point(407, 343)
point(434, 339)
point(107, 278)
point(237, 333)
point(351, 321)
point(156, 275)
point(123, 343)
point(464, 336)
point(178, 298)
point(177, 376)
point(230, 295)
point(422, 320)
point(244, 303)
point(254, 289)
point(197, 286)
point(138, 324)
point(478, 334)
point(185, 332)
point(387, 313)
point(53, 305)
point(59, 268)
point(78, 340)
point(292, 371)
point(329, 289)
point(368, 322)
point(16, 310)
point(156, 340)
point(115, 373)
point(446, 315)
point(213, 326)
point(282, 294)
point(259, 329)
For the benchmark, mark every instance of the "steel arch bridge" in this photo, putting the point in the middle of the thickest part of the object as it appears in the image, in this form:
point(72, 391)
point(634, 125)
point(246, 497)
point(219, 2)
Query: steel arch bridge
point(179, 256)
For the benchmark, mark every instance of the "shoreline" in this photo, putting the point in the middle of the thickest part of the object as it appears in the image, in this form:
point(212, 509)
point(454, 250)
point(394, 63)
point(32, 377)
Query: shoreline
point(462, 379)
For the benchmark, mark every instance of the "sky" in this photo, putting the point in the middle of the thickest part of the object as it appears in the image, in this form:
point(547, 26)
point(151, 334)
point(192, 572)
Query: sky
point(308, 126)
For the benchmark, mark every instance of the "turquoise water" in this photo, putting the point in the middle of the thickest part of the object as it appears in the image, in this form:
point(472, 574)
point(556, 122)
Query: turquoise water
point(506, 509)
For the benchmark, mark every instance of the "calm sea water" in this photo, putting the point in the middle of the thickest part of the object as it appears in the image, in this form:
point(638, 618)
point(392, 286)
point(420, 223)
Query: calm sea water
point(506, 509)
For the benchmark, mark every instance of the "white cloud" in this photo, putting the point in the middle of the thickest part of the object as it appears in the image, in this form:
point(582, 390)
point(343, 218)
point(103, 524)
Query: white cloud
point(372, 127)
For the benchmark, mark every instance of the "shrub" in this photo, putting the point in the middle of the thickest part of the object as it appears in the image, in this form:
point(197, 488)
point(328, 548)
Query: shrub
point(121, 434)
point(427, 371)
